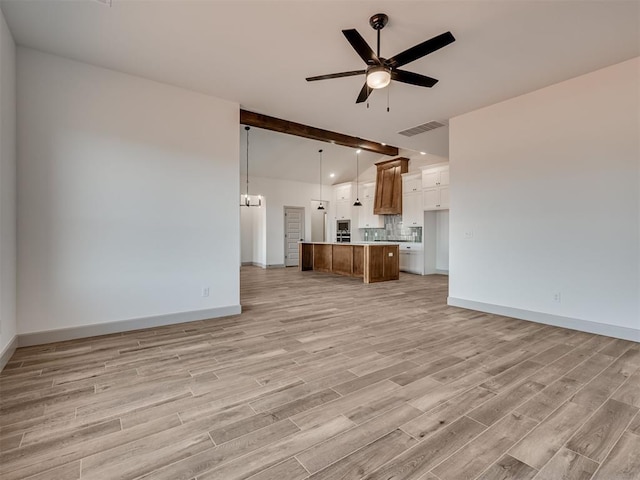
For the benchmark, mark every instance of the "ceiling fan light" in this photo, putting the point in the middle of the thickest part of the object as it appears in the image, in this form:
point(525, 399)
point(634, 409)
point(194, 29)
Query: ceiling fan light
point(378, 77)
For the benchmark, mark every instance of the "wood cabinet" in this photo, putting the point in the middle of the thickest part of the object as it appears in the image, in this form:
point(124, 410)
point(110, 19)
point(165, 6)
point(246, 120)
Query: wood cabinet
point(371, 262)
point(412, 208)
point(435, 184)
point(366, 217)
point(388, 199)
point(382, 263)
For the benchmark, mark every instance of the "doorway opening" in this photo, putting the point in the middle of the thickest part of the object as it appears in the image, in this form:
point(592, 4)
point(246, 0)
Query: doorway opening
point(318, 221)
point(436, 242)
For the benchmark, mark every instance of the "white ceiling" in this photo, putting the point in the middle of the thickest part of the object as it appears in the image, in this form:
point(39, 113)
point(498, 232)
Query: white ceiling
point(277, 155)
point(258, 53)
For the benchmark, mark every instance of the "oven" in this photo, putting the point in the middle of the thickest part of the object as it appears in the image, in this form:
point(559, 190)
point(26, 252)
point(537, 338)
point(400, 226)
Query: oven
point(343, 231)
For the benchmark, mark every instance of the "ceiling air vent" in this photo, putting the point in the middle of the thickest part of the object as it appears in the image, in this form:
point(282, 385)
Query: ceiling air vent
point(425, 127)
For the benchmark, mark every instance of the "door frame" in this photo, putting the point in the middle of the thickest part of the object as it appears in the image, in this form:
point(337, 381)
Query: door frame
point(302, 228)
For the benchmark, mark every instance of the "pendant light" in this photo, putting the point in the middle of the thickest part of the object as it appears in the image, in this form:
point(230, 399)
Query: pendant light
point(320, 207)
point(357, 202)
point(247, 198)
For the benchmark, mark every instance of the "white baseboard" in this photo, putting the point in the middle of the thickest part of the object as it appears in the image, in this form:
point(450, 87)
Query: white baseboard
point(262, 265)
point(71, 333)
point(616, 331)
point(8, 352)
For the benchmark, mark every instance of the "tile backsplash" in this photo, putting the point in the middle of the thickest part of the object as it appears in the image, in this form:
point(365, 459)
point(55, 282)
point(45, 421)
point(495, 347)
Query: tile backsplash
point(393, 231)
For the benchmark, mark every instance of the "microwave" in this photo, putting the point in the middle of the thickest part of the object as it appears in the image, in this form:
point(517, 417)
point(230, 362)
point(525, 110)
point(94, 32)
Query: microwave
point(343, 226)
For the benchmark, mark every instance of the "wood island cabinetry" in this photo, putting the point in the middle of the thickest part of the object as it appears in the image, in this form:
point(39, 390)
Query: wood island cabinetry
point(371, 262)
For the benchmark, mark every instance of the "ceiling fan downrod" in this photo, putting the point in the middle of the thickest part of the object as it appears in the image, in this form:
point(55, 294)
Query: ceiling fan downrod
point(377, 22)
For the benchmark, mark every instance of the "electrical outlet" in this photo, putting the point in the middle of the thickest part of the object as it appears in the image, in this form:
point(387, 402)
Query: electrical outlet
point(557, 297)
point(205, 291)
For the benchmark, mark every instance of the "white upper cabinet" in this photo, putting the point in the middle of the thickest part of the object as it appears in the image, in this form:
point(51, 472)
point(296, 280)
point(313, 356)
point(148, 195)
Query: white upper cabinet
point(367, 190)
point(343, 210)
point(342, 192)
point(411, 182)
point(412, 208)
point(435, 177)
point(435, 184)
point(342, 201)
point(366, 217)
point(436, 198)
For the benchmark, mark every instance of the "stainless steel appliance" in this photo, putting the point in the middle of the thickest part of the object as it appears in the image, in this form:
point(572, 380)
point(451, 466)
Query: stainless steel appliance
point(343, 231)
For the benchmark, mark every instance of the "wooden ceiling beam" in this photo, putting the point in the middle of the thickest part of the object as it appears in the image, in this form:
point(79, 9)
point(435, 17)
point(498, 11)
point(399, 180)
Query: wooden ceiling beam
point(284, 126)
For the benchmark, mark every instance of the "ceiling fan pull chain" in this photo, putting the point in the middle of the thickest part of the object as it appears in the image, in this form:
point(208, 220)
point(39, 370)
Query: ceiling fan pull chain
point(388, 89)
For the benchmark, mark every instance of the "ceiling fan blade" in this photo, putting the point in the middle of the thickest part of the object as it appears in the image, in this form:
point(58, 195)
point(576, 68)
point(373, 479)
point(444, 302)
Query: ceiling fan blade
point(420, 50)
point(361, 47)
point(336, 75)
point(413, 78)
point(364, 93)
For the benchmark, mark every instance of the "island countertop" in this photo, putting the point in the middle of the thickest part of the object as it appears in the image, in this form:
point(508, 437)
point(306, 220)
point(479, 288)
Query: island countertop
point(374, 262)
point(353, 243)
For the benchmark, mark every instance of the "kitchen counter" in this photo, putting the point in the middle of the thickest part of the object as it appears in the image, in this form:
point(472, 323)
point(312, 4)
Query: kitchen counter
point(374, 262)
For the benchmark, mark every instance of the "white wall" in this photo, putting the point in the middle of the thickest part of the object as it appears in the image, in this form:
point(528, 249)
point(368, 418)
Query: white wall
point(128, 196)
point(7, 187)
point(253, 234)
point(442, 240)
point(246, 234)
point(548, 185)
point(260, 234)
point(270, 230)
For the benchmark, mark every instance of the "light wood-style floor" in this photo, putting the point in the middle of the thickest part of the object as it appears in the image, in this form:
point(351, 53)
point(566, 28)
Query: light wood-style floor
point(323, 377)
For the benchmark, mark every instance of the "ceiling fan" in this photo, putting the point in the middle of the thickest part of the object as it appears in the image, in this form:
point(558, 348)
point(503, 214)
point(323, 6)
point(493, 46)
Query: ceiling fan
point(380, 71)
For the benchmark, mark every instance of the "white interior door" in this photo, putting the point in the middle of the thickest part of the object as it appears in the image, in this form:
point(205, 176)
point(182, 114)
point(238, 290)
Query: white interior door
point(293, 233)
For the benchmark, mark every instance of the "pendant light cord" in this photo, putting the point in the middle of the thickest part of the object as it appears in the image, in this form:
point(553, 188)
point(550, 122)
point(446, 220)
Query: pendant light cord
point(388, 90)
point(357, 173)
point(247, 129)
point(320, 152)
point(320, 207)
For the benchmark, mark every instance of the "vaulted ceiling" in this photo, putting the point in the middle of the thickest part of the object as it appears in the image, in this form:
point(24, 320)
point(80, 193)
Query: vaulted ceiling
point(258, 53)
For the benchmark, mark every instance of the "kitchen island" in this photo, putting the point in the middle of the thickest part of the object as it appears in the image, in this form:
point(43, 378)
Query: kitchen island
point(373, 262)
